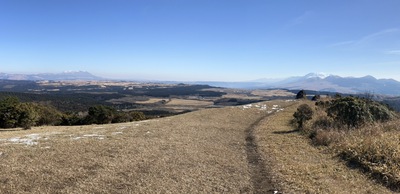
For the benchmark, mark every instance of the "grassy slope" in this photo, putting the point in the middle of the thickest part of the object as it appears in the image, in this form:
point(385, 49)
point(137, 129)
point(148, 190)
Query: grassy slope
point(196, 152)
point(304, 168)
point(208, 151)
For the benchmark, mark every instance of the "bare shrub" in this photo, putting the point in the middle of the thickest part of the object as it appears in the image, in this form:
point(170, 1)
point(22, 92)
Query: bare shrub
point(323, 122)
point(326, 137)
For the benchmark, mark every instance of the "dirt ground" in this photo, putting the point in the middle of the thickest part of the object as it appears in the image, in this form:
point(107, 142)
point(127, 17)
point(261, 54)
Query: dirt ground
point(243, 149)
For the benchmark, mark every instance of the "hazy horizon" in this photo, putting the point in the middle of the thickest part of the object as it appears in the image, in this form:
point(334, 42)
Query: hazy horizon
point(261, 80)
point(227, 40)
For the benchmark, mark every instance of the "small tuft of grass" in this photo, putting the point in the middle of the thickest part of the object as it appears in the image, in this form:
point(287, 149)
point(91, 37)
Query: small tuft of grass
point(326, 137)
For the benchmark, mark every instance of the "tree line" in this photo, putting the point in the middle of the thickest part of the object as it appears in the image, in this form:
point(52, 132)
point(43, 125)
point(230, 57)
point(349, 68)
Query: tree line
point(14, 113)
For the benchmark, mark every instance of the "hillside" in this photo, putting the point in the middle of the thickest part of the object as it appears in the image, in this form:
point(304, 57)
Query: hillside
point(242, 149)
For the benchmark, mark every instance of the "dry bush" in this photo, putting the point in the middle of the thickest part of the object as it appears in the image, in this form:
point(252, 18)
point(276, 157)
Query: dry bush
point(323, 122)
point(327, 137)
point(324, 130)
point(319, 121)
point(304, 113)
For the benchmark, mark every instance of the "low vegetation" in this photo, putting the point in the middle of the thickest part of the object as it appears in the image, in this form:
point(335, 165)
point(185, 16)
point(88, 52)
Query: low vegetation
point(14, 113)
point(303, 114)
point(299, 167)
point(363, 132)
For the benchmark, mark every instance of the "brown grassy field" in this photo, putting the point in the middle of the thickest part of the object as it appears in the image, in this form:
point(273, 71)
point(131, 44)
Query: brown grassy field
point(241, 96)
point(185, 102)
point(270, 93)
point(244, 149)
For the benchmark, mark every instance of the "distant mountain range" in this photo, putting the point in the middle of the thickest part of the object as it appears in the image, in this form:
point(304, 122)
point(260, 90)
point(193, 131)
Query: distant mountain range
point(311, 81)
point(67, 75)
point(321, 82)
point(334, 83)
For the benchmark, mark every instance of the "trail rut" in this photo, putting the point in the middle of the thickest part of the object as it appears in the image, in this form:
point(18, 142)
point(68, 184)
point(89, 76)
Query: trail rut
point(260, 176)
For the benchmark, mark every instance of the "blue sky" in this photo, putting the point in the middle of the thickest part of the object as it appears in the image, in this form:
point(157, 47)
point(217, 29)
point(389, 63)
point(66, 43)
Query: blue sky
point(219, 40)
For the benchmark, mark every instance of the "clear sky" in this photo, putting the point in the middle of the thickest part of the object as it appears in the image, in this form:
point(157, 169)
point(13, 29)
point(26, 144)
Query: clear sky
point(214, 40)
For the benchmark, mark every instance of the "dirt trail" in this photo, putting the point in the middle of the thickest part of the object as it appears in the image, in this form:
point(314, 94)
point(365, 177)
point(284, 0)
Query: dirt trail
point(260, 176)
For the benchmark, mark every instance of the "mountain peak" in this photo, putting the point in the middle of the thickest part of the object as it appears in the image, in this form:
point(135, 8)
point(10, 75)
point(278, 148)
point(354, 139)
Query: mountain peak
point(317, 75)
point(68, 72)
point(369, 77)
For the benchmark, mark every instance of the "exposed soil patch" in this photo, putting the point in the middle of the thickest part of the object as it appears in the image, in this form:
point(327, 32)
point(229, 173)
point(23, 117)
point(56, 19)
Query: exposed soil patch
point(260, 176)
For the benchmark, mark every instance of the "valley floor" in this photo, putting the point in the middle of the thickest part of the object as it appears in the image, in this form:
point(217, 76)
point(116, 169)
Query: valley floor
point(243, 149)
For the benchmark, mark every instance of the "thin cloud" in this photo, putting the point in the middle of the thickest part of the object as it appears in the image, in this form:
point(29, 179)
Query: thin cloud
point(393, 52)
point(368, 38)
point(376, 35)
point(301, 19)
point(342, 43)
point(387, 63)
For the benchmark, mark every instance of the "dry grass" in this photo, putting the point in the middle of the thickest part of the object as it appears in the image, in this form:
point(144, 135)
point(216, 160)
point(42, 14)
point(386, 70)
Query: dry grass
point(373, 149)
point(241, 96)
point(134, 99)
point(206, 151)
point(199, 152)
point(299, 167)
point(184, 102)
point(152, 100)
point(271, 93)
point(168, 101)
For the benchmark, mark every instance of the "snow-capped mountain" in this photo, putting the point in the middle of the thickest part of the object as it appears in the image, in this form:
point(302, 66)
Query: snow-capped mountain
point(317, 75)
